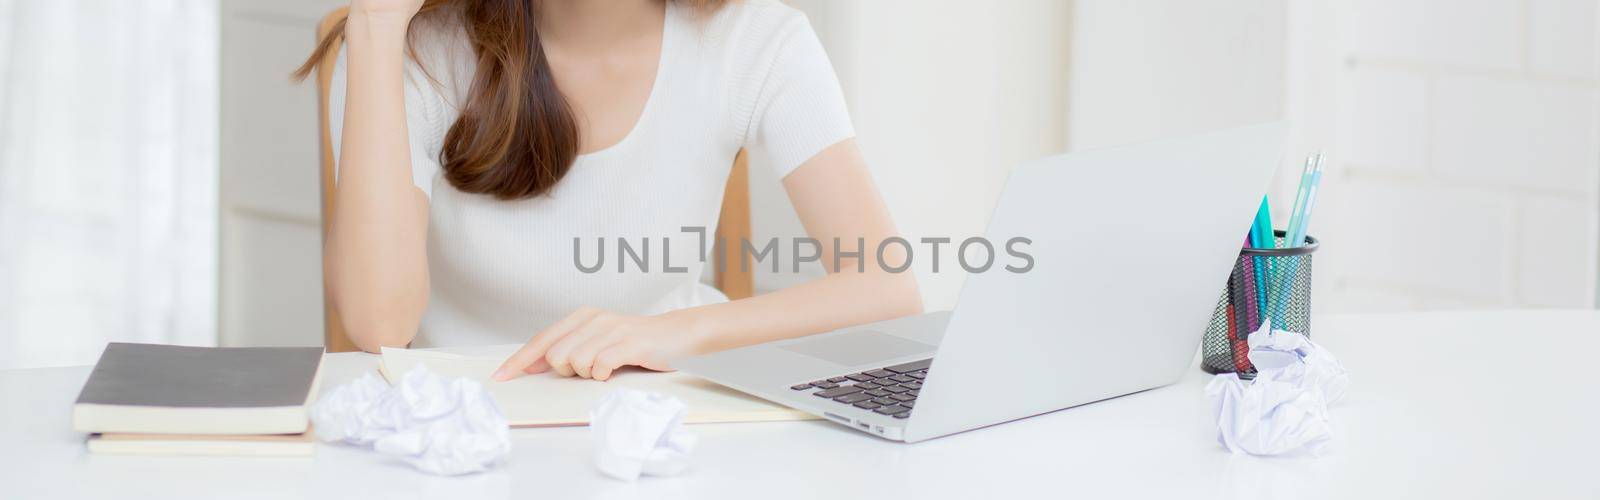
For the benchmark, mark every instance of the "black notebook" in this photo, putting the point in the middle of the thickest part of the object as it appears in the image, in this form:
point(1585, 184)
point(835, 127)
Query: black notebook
point(165, 389)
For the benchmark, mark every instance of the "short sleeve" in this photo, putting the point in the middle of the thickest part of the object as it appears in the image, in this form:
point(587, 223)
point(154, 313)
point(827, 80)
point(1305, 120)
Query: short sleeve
point(425, 134)
point(798, 109)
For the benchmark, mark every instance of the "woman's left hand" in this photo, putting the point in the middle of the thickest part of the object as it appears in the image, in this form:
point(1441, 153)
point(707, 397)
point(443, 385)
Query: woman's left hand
point(593, 343)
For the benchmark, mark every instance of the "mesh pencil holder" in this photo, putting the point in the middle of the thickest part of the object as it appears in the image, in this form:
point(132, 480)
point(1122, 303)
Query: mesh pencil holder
point(1266, 283)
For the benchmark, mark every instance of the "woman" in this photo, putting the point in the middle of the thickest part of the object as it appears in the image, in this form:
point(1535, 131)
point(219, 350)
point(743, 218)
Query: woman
point(479, 142)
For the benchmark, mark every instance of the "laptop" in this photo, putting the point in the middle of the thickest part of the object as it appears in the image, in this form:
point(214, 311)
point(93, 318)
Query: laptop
point(1131, 246)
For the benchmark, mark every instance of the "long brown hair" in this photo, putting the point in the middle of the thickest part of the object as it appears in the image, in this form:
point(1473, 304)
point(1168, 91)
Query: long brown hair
point(516, 136)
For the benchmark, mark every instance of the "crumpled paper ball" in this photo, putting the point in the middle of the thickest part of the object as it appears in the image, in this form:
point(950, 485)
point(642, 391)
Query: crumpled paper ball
point(439, 425)
point(1285, 410)
point(637, 432)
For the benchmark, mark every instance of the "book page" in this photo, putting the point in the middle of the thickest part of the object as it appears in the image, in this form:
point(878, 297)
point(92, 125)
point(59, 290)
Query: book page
point(548, 399)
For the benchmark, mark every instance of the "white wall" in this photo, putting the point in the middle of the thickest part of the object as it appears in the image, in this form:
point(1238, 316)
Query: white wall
point(270, 254)
point(946, 96)
point(1146, 69)
point(1462, 135)
point(1465, 139)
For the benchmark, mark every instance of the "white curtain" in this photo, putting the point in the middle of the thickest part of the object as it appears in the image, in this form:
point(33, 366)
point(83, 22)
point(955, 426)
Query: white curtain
point(108, 176)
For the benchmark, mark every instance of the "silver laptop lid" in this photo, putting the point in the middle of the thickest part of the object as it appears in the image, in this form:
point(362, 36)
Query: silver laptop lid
point(1131, 249)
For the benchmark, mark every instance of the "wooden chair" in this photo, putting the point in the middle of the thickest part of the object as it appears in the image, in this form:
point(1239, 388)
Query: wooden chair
point(733, 225)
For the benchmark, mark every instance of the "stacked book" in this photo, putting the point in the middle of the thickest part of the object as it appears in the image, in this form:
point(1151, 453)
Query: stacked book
point(176, 400)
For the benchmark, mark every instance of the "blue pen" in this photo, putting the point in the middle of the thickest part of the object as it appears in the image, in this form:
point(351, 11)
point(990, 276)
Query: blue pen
point(1298, 228)
point(1299, 235)
point(1297, 211)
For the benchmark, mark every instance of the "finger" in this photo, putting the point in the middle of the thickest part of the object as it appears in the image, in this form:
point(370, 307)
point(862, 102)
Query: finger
point(559, 355)
point(582, 357)
point(618, 355)
point(538, 366)
point(535, 349)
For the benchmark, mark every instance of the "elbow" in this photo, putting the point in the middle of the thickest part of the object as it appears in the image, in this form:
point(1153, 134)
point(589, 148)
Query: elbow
point(376, 310)
point(910, 296)
point(900, 295)
point(892, 292)
point(373, 323)
point(371, 333)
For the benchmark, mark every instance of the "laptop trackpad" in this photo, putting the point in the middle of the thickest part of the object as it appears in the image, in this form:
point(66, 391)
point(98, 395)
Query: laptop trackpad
point(857, 347)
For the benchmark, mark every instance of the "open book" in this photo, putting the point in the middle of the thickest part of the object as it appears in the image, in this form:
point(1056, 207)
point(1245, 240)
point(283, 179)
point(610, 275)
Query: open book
point(548, 399)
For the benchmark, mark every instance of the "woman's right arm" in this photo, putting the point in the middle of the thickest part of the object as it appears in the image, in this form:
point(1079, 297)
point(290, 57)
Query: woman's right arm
point(376, 254)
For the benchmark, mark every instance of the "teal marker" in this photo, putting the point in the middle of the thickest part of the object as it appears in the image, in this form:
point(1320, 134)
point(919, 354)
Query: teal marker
point(1265, 239)
point(1264, 225)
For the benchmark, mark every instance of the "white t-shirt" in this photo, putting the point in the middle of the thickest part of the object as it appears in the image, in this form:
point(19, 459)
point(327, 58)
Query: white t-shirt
point(752, 75)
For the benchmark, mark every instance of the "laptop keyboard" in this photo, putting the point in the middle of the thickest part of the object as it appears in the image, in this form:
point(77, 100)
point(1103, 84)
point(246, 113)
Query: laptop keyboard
point(891, 390)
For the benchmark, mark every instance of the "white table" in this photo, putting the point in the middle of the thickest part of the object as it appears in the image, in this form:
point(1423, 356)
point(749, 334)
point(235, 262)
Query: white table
point(1445, 405)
